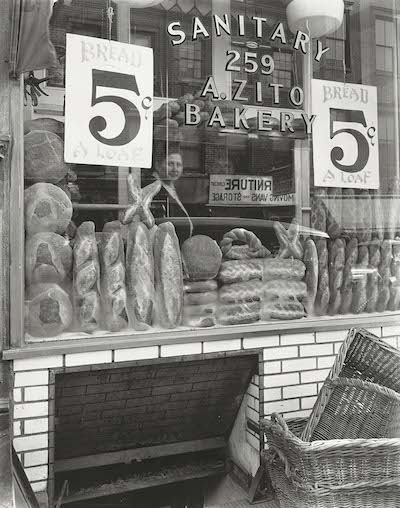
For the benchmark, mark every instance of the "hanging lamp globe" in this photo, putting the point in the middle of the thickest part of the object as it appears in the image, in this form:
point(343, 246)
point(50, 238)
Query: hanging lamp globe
point(317, 17)
point(138, 4)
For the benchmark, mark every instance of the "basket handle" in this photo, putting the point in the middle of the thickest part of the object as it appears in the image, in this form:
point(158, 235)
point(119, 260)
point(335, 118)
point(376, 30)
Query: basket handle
point(279, 420)
point(364, 385)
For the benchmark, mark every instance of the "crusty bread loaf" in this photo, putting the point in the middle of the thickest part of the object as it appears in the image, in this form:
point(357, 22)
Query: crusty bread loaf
point(112, 278)
point(49, 310)
point(44, 124)
point(139, 276)
point(47, 209)
point(86, 282)
point(168, 276)
point(48, 258)
point(44, 157)
point(201, 257)
point(310, 260)
point(283, 288)
point(350, 263)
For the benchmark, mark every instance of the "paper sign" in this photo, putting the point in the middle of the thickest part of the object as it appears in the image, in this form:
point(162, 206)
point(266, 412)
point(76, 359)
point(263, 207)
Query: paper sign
point(245, 190)
point(108, 103)
point(345, 135)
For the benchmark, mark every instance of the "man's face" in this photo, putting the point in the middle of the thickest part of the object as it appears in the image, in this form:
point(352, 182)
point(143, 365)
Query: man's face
point(173, 166)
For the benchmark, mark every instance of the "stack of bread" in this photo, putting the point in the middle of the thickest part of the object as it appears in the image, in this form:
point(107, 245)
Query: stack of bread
point(48, 212)
point(201, 257)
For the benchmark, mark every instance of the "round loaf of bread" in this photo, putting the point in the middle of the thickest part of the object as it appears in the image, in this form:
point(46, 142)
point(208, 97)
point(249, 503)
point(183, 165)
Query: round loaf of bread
point(48, 258)
point(44, 157)
point(201, 257)
point(47, 209)
point(44, 124)
point(49, 310)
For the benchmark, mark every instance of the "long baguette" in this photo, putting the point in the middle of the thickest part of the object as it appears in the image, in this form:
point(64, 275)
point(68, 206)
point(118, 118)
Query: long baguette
point(385, 274)
point(112, 278)
point(360, 290)
point(373, 278)
point(168, 276)
point(139, 276)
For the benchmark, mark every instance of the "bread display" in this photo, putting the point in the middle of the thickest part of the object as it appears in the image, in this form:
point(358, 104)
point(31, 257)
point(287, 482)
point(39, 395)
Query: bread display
point(168, 276)
point(44, 157)
point(289, 240)
point(112, 278)
point(86, 281)
point(251, 245)
point(48, 258)
point(49, 310)
point(201, 257)
point(310, 260)
point(47, 209)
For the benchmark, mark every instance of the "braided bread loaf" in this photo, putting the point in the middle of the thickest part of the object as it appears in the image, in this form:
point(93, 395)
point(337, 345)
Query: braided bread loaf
point(240, 271)
point(252, 247)
point(86, 277)
point(241, 292)
point(282, 308)
point(238, 314)
point(112, 278)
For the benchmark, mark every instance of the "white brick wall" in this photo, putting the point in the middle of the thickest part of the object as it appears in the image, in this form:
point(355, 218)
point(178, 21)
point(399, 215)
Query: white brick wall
point(293, 370)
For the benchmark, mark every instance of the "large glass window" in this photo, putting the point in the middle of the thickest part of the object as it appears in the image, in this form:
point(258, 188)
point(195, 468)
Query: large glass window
point(274, 188)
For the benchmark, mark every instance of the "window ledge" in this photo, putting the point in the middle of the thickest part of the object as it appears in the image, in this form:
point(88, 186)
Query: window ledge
point(81, 344)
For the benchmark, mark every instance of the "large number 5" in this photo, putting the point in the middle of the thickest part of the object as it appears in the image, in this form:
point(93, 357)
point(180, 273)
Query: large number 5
point(131, 113)
point(337, 153)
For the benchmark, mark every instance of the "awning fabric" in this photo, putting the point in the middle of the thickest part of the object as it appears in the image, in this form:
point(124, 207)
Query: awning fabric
point(31, 48)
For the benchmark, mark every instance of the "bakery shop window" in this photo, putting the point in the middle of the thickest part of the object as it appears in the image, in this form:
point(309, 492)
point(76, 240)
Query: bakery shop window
point(271, 196)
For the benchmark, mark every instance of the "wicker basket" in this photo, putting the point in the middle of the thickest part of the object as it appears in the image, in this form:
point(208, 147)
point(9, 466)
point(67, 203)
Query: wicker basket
point(348, 473)
point(340, 410)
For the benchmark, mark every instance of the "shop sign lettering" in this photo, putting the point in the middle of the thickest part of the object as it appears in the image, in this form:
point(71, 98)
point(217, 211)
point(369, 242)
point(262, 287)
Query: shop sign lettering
point(242, 190)
point(108, 103)
point(345, 135)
